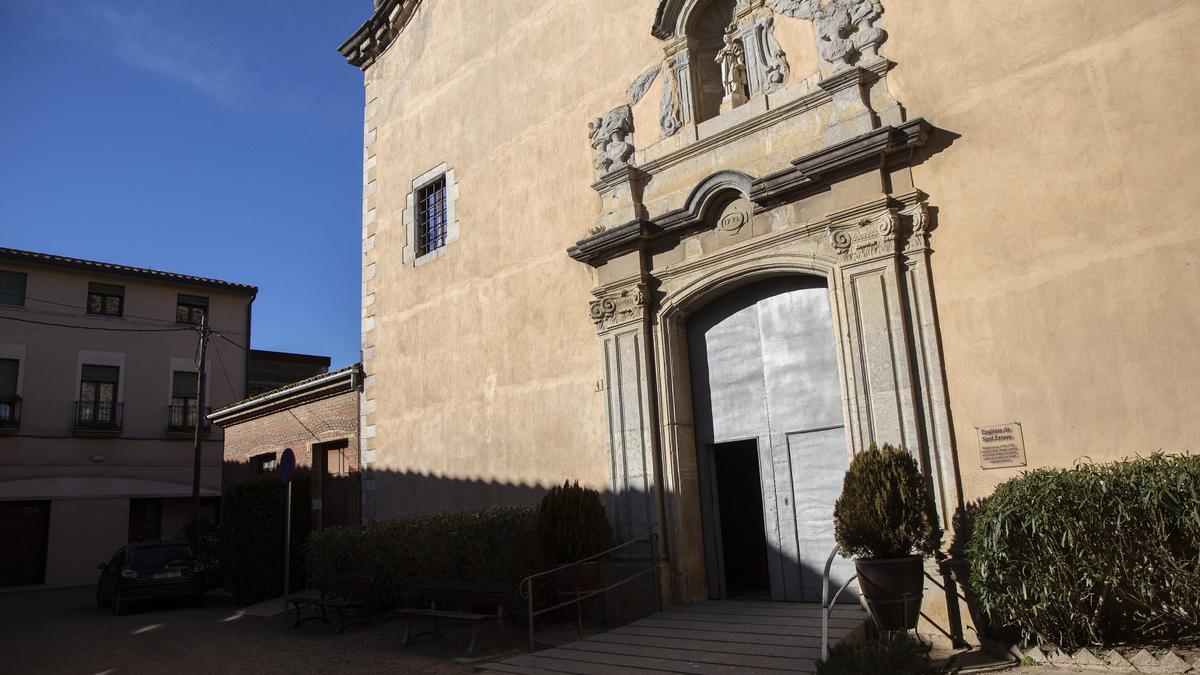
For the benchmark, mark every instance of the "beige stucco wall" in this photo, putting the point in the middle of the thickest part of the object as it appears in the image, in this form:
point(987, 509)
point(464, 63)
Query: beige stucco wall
point(1064, 266)
point(1066, 263)
point(484, 361)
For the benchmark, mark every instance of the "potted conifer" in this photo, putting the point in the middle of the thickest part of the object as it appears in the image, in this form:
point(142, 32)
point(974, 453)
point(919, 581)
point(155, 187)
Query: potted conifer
point(572, 525)
point(887, 521)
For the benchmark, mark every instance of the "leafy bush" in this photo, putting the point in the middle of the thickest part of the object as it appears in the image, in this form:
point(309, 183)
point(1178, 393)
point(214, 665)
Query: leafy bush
point(252, 533)
point(900, 655)
point(1099, 554)
point(572, 524)
point(885, 510)
point(204, 539)
point(399, 557)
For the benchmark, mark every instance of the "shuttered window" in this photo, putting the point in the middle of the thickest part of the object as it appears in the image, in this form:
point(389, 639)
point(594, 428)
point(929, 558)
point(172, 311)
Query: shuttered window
point(190, 309)
point(12, 288)
point(8, 379)
point(106, 299)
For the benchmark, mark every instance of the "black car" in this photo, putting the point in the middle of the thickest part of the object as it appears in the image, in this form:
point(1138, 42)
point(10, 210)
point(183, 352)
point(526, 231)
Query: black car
point(150, 570)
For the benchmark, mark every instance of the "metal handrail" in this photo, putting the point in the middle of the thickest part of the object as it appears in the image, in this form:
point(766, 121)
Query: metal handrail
point(828, 603)
point(526, 585)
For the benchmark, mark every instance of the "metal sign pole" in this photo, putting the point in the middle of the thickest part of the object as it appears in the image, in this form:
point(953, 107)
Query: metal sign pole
point(287, 550)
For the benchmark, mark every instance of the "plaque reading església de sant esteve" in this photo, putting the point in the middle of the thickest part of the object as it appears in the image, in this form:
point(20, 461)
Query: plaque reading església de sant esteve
point(1001, 446)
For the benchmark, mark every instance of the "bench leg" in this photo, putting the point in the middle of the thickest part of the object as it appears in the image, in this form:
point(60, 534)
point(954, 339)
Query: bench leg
point(474, 638)
point(407, 631)
point(504, 634)
point(296, 606)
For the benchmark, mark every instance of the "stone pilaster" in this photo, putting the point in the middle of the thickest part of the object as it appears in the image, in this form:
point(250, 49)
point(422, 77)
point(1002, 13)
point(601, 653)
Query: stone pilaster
point(852, 115)
point(367, 443)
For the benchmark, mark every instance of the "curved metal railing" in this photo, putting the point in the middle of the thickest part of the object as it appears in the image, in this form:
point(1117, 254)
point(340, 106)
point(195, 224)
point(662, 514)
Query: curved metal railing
point(526, 586)
point(827, 603)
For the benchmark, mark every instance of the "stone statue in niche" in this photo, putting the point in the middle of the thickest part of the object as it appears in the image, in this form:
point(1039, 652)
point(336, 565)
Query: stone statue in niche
point(732, 58)
point(846, 30)
point(608, 136)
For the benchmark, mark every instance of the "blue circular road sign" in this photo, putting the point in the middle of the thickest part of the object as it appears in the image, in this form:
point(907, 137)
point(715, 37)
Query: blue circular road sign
point(287, 464)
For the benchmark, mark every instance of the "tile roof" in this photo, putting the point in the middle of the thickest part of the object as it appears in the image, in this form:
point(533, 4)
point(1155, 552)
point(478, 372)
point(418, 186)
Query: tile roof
point(34, 258)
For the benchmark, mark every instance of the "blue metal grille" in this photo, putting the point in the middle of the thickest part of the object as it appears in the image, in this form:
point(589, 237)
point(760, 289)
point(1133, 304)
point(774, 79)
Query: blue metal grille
point(431, 216)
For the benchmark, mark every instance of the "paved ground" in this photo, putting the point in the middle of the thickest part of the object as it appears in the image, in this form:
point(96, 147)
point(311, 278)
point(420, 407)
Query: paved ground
point(62, 631)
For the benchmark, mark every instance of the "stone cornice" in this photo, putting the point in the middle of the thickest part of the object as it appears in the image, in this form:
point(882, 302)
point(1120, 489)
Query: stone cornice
point(817, 169)
point(808, 174)
point(376, 33)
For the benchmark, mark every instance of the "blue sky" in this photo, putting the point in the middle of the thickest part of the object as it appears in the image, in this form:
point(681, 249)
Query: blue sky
point(220, 138)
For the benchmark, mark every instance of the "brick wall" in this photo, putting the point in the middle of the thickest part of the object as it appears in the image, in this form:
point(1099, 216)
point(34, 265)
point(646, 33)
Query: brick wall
point(314, 424)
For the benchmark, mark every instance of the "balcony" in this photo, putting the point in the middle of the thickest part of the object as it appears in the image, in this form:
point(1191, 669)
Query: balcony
point(97, 418)
point(10, 414)
point(181, 420)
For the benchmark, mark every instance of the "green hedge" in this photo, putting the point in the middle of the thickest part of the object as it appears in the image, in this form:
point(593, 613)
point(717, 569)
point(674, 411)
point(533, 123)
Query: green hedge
point(1096, 555)
point(252, 533)
point(400, 556)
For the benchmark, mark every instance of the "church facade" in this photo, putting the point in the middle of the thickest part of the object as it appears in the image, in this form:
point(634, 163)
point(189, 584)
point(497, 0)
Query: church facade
point(697, 253)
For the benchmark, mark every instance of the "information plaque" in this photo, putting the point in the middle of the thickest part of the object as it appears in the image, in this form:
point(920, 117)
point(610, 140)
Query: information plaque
point(1001, 446)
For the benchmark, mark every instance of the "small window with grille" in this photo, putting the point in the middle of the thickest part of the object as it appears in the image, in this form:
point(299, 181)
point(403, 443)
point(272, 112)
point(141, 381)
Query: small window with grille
point(431, 216)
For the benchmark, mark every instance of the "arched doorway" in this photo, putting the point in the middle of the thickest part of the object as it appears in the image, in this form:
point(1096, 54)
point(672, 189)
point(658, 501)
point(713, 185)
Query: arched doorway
point(770, 437)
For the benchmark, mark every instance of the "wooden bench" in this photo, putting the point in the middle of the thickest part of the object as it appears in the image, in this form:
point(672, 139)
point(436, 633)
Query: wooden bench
point(473, 603)
point(337, 594)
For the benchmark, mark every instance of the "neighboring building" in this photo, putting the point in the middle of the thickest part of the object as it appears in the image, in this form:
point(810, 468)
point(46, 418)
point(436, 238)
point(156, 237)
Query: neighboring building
point(318, 419)
point(789, 229)
point(98, 407)
point(271, 370)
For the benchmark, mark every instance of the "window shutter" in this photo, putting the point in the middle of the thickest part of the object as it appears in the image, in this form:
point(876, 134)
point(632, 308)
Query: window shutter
point(106, 289)
point(183, 384)
point(197, 300)
point(101, 373)
point(8, 378)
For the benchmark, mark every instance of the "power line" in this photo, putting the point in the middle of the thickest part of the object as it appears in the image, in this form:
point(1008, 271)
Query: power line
point(245, 349)
point(103, 328)
point(224, 372)
point(123, 314)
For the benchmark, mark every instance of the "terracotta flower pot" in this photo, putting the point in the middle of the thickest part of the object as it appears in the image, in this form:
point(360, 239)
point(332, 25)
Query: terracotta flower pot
point(893, 588)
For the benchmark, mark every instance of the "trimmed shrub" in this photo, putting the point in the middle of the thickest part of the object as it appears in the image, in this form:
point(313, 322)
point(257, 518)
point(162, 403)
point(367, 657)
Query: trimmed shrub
point(204, 539)
point(399, 557)
point(253, 513)
point(885, 510)
point(900, 655)
point(572, 524)
point(1100, 554)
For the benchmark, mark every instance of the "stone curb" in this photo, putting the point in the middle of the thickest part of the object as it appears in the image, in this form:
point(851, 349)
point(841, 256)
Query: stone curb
point(1141, 661)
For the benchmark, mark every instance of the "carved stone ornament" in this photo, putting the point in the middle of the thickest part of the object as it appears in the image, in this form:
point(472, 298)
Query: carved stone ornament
point(607, 135)
point(642, 84)
point(670, 112)
point(846, 29)
point(918, 232)
point(615, 310)
point(865, 238)
point(773, 60)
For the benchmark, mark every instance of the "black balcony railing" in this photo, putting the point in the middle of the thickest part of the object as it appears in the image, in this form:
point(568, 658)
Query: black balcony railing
point(97, 416)
point(10, 412)
point(181, 419)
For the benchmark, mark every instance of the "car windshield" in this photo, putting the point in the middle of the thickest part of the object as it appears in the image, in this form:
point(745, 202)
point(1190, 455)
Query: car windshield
point(148, 557)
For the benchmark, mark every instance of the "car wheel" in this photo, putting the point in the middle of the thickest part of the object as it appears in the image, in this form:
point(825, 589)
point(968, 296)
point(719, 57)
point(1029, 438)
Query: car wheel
point(100, 599)
point(119, 607)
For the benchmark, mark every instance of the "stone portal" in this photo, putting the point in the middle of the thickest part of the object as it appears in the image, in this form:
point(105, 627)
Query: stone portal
point(764, 368)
